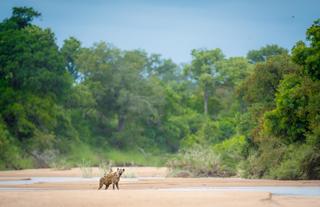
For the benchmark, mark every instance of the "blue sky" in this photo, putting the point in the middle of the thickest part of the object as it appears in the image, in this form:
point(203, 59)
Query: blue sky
point(174, 28)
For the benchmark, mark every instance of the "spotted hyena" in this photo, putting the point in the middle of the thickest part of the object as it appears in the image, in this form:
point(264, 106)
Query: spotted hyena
point(111, 178)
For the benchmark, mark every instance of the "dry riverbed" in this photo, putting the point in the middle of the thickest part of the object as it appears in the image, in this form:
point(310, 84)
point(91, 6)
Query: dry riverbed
point(145, 186)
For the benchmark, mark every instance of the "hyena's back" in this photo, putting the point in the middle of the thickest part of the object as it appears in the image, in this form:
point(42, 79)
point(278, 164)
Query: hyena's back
point(106, 180)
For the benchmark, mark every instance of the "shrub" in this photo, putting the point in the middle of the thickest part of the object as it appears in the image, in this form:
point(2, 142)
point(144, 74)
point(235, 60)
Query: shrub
point(231, 152)
point(86, 169)
point(275, 160)
point(11, 156)
point(198, 161)
point(61, 164)
point(294, 163)
point(259, 163)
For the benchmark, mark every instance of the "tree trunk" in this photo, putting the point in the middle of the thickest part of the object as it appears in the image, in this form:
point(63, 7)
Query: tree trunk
point(121, 122)
point(205, 99)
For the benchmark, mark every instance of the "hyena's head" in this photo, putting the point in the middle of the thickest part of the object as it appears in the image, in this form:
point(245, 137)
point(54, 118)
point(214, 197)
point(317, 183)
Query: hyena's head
point(120, 171)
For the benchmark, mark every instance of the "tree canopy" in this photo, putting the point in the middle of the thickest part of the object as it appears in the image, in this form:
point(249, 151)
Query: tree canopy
point(254, 116)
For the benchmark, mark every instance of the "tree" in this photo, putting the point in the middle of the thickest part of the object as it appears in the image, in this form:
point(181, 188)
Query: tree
point(290, 129)
point(233, 71)
point(257, 93)
point(21, 17)
point(262, 84)
point(264, 53)
point(309, 57)
point(203, 70)
point(122, 93)
point(164, 69)
point(297, 105)
point(295, 113)
point(70, 51)
point(33, 85)
point(30, 58)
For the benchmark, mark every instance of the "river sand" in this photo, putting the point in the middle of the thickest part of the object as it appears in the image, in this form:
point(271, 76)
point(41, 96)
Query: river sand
point(148, 187)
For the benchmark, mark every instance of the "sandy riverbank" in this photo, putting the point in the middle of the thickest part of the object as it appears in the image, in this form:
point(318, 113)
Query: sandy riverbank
point(76, 172)
point(142, 192)
point(147, 198)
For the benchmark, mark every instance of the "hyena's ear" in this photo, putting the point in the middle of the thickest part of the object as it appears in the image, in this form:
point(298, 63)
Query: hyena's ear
point(117, 169)
point(123, 169)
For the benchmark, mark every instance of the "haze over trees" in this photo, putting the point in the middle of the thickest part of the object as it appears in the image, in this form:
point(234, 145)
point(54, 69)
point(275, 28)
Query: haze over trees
point(255, 116)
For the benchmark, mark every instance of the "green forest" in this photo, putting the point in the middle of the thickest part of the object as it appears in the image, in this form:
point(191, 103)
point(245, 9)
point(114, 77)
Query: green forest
point(256, 116)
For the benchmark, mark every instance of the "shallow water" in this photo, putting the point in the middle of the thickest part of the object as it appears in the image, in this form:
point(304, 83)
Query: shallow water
point(276, 190)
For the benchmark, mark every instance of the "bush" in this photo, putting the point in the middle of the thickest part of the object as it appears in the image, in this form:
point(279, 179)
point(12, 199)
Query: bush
point(198, 161)
point(231, 152)
point(11, 156)
point(86, 169)
point(180, 173)
point(275, 160)
point(60, 164)
point(135, 157)
point(294, 163)
point(259, 163)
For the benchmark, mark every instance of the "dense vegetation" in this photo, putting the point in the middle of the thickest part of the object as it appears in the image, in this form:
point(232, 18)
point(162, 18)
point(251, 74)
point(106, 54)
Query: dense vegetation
point(254, 116)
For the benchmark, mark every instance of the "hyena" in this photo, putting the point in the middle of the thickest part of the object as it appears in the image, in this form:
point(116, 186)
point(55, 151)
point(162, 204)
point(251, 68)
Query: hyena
point(111, 178)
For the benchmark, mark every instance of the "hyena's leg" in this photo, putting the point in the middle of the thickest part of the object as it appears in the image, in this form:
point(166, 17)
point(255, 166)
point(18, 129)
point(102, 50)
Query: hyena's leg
point(100, 185)
point(117, 184)
point(113, 186)
point(107, 186)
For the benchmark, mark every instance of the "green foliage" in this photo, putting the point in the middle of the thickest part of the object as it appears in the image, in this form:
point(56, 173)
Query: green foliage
point(203, 70)
point(296, 109)
point(262, 84)
point(137, 157)
point(288, 136)
point(232, 152)
point(204, 135)
point(70, 51)
point(199, 161)
point(33, 85)
point(292, 164)
point(10, 156)
point(203, 62)
point(34, 64)
point(257, 94)
point(81, 153)
point(164, 69)
point(266, 52)
point(75, 105)
point(124, 100)
point(234, 70)
point(260, 162)
point(309, 56)
point(21, 17)
point(279, 161)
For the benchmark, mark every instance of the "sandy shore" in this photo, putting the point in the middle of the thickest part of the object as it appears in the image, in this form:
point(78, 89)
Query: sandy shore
point(142, 192)
point(147, 198)
point(76, 172)
point(150, 198)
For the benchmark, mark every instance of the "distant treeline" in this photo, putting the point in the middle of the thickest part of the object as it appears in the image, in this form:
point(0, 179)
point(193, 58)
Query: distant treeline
point(254, 116)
